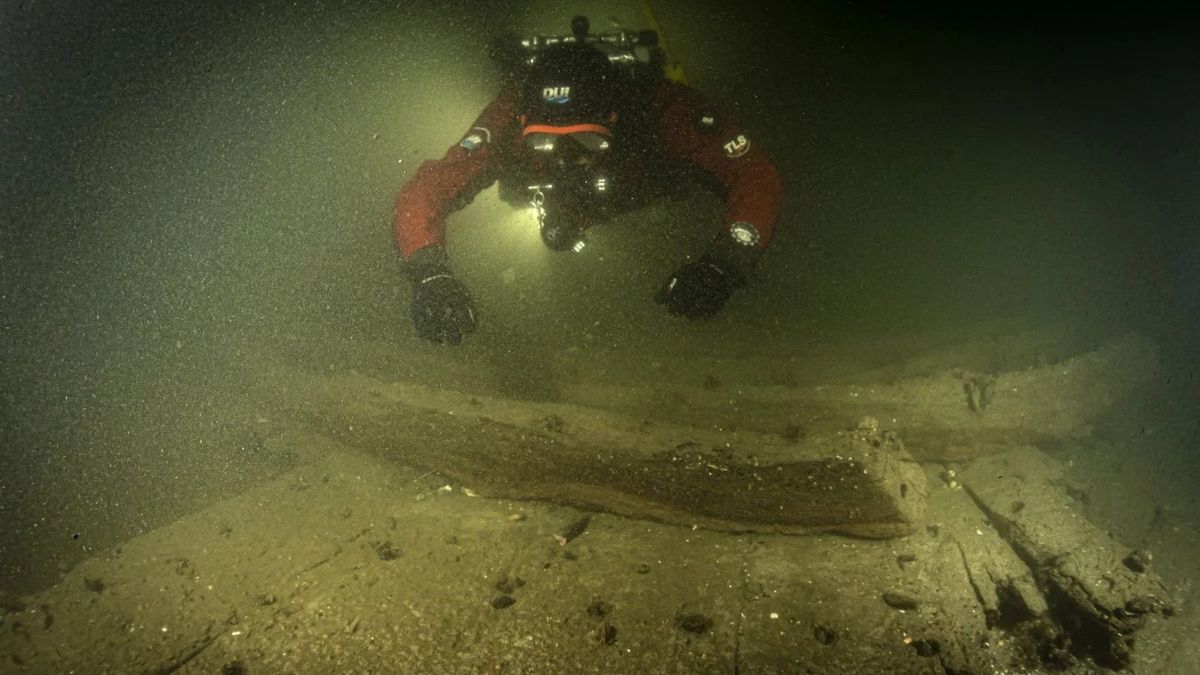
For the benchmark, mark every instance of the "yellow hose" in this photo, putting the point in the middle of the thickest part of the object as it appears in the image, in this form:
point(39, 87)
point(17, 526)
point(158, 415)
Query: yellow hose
point(672, 68)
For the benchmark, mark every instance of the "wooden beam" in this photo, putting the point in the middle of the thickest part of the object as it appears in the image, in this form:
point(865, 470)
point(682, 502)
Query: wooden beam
point(1099, 590)
point(860, 481)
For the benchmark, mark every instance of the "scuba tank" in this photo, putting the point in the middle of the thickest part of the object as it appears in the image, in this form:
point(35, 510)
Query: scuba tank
point(636, 53)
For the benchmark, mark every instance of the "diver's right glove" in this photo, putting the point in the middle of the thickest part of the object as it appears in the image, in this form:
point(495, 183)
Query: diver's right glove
point(442, 310)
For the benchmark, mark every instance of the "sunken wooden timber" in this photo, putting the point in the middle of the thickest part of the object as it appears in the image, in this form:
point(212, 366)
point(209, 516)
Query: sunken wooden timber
point(1097, 590)
point(942, 413)
point(776, 459)
point(859, 481)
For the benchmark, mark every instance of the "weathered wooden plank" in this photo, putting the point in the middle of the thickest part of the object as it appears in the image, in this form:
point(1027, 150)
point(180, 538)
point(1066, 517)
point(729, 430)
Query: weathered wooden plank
point(1003, 583)
point(1099, 590)
point(860, 481)
point(949, 414)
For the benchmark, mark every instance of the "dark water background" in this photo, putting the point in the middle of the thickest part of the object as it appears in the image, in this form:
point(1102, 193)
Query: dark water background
point(193, 192)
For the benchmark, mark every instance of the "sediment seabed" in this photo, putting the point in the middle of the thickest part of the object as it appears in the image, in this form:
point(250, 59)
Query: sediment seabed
point(359, 560)
point(352, 564)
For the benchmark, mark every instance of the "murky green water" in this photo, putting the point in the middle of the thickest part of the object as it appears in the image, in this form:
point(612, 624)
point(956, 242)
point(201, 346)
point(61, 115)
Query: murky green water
point(192, 193)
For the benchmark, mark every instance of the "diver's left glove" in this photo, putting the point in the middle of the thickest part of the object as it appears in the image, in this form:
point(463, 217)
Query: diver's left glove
point(700, 288)
point(442, 310)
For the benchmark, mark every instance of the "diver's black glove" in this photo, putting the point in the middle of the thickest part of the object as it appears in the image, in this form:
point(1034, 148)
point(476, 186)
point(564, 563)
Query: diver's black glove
point(700, 288)
point(442, 310)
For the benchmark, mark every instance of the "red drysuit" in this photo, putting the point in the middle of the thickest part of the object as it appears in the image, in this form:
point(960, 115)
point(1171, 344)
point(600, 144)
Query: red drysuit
point(672, 136)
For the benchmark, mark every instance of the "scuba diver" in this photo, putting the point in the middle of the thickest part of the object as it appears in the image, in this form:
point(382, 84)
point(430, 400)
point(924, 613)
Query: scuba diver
point(586, 127)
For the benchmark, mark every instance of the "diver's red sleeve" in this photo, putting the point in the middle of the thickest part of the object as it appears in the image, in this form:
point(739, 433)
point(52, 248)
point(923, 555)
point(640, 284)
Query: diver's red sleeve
point(695, 132)
point(442, 186)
